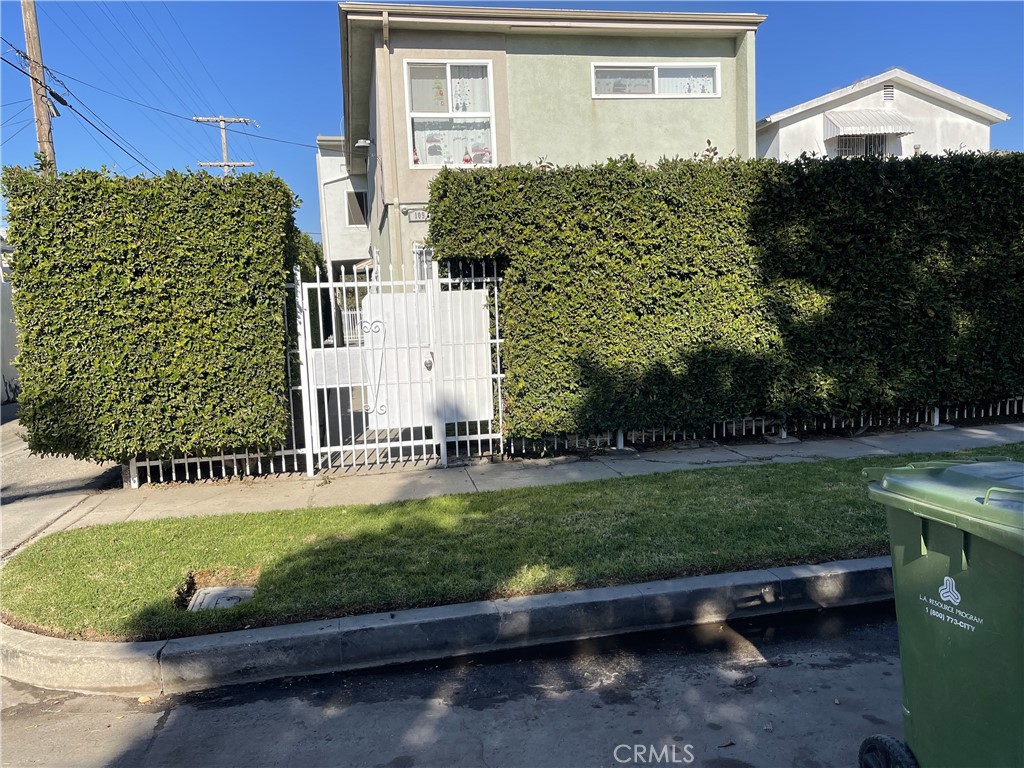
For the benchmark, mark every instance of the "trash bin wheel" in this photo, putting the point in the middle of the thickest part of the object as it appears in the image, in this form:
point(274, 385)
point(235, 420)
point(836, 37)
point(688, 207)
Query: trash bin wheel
point(885, 752)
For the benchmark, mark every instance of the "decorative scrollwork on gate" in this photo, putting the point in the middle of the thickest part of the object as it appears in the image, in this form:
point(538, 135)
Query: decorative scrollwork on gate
point(376, 328)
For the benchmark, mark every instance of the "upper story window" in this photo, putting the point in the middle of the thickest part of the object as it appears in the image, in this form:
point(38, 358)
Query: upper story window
point(656, 81)
point(451, 117)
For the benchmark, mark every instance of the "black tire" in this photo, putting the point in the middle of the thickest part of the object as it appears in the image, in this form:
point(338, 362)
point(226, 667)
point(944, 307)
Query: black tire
point(885, 752)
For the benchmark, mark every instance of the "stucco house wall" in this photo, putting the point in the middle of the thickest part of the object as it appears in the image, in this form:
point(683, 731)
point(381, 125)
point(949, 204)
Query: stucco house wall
point(344, 241)
point(551, 77)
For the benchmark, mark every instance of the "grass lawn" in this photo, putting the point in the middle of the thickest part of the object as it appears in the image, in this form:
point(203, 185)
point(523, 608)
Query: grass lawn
point(119, 581)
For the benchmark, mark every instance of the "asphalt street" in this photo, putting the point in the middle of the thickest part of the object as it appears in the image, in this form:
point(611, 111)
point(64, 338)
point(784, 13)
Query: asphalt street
point(797, 692)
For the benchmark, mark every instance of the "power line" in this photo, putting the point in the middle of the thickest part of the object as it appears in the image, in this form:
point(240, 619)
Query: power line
point(116, 25)
point(20, 111)
point(54, 72)
point(16, 101)
point(269, 138)
point(213, 80)
point(91, 111)
point(90, 122)
point(174, 63)
point(95, 141)
point(176, 135)
point(94, 114)
point(169, 113)
point(119, 28)
point(26, 125)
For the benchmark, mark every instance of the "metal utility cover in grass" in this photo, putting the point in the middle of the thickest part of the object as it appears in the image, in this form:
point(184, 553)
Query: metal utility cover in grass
point(210, 598)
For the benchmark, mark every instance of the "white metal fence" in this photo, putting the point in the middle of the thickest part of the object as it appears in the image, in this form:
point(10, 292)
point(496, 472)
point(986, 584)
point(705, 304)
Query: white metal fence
point(400, 370)
point(410, 370)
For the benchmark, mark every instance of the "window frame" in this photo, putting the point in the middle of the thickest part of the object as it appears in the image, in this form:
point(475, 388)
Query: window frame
point(410, 115)
point(655, 66)
point(868, 141)
point(364, 208)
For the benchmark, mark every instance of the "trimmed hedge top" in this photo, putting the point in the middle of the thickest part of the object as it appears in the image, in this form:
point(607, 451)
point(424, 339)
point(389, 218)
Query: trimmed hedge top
point(150, 311)
point(676, 295)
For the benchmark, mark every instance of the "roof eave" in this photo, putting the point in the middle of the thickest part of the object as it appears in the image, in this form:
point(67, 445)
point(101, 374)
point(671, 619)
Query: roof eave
point(538, 19)
point(894, 75)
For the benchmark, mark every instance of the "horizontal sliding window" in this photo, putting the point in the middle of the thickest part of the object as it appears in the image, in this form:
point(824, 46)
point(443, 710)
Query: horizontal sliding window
point(670, 81)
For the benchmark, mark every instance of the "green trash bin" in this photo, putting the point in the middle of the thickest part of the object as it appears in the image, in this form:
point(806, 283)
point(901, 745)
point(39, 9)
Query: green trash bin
point(956, 532)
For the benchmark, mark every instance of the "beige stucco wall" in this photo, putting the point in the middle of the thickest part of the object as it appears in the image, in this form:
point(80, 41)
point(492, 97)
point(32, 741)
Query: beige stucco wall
point(938, 126)
point(403, 185)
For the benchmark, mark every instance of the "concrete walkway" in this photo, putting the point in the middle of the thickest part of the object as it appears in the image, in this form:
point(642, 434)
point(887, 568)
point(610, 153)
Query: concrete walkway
point(43, 495)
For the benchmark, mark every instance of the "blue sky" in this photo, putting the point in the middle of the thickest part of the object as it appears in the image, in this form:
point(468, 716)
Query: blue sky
point(279, 63)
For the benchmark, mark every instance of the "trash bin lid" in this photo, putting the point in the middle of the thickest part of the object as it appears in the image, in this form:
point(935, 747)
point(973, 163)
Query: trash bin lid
point(988, 491)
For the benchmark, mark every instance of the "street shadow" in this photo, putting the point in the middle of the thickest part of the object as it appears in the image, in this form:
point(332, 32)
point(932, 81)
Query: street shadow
point(557, 705)
point(104, 479)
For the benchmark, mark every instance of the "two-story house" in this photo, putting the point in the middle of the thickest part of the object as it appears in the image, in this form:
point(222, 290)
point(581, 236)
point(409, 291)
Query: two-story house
point(430, 86)
point(894, 114)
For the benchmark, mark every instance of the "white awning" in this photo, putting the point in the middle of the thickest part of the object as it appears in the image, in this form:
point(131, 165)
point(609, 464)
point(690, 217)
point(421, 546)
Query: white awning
point(865, 122)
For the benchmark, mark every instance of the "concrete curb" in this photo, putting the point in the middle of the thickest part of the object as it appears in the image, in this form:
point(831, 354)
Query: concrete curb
point(357, 642)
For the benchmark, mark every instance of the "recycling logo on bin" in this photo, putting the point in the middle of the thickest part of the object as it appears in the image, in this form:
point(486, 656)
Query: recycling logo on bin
point(946, 609)
point(948, 591)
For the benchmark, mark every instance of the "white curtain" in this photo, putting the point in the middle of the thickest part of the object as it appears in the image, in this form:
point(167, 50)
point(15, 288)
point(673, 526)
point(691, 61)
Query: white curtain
point(625, 80)
point(428, 87)
point(452, 141)
point(686, 80)
point(469, 89)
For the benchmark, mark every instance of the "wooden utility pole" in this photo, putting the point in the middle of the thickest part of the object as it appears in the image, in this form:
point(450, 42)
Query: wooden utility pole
point(41, 105)
point(225, 163)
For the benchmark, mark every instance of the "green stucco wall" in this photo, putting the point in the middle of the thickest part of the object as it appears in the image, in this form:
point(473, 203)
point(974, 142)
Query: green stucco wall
point(553, 115)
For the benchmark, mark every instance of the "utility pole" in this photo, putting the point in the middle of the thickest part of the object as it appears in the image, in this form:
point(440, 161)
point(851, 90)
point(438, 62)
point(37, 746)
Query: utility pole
point(225, 163)
point(41, 105)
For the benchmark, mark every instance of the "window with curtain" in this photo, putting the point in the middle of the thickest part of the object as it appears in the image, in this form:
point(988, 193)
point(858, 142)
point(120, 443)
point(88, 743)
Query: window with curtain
point(670, 81)
point(450, 114)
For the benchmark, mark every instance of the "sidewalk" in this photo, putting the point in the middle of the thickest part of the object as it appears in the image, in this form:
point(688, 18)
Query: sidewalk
point(44, 495)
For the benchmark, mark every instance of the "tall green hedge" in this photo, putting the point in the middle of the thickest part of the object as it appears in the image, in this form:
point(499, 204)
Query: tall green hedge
point(150, 311)
point(693, 291)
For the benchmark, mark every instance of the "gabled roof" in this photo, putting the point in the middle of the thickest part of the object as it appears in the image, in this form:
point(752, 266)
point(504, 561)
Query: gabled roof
point(894, 76)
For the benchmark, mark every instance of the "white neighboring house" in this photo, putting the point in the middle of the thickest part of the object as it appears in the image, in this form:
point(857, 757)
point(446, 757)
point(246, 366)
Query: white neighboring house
point(343, 229)
point(894, 114)
point(8, 331)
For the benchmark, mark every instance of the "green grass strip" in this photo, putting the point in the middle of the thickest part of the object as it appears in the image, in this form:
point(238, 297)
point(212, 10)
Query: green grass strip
point(118, 581)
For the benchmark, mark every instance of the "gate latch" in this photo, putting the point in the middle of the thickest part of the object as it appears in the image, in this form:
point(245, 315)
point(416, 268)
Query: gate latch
point(428, 362)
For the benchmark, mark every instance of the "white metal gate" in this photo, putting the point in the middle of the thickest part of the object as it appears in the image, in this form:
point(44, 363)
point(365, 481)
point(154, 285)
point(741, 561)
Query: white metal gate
point(400, 370)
